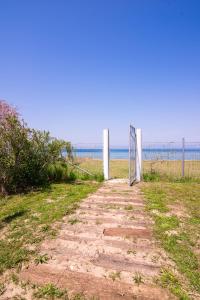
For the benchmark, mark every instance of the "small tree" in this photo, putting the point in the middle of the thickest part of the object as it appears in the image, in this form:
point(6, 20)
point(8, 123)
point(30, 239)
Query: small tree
point(25, 154)
point(6, 161)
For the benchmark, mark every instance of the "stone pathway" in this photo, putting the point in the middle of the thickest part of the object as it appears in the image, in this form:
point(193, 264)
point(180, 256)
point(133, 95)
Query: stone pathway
point(105, 250)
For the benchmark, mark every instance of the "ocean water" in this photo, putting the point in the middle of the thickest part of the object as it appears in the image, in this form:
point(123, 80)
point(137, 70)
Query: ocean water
point(148, 154)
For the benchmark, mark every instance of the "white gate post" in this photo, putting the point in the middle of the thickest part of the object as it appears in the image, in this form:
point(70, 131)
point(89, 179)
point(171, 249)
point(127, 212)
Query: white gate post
point(138, 154)
point(106, 153)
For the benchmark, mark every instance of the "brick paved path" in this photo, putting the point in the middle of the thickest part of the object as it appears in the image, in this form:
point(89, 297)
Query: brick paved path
point(106, 249)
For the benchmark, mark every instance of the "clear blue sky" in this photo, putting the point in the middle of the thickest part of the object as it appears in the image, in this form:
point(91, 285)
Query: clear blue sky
point(76, 67)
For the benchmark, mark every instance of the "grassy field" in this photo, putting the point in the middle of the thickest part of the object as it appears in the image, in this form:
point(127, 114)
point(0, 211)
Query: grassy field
point(119, 168)
point(25, 220)
point(175, 208)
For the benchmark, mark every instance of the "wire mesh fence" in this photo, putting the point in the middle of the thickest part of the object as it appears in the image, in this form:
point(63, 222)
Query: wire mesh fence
point(176, 159)
point(192, 159)
point(165, 158)
point(89, 157)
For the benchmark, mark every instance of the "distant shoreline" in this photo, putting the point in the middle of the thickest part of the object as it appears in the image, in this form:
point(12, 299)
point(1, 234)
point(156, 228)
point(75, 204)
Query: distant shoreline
point(159, 154)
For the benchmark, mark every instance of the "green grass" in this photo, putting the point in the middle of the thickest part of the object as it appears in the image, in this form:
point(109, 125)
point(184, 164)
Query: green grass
point(50, 291)
point(137, 278)
point(86, 169)
point(165, 176)
point(175, 208)
point(41, 259)
point(25, 220)
point(169, 280)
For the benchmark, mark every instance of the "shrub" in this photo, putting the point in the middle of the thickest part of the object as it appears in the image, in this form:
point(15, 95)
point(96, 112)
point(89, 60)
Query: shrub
point(58, 172)
point(28, 157)
point(72, 176)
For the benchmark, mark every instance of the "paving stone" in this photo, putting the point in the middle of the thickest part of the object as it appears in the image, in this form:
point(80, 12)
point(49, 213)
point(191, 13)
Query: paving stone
point(124, 264)
point(92, 286)
point(128, 232)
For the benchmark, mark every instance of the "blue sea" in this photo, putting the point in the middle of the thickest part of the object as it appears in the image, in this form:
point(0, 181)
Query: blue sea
point(148, 154)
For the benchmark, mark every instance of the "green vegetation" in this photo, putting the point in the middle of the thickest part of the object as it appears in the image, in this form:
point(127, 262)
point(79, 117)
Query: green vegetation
point(115, 275)
point(41, 259)
point(38, 186)
point(156, 177)
point(26, 219)
point(152, 176)
point(77, 174)
point(137, 278)
point(133, 252)
point(29, 158)
point(170, 281)
point(172, 168)
point(118, 168)
point(58, 172)
point(50, 291)
point(153, 170)
point(175, 207)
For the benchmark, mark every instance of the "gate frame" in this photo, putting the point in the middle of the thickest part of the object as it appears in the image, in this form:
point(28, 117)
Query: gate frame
point(106, 154)
point(132, 138)
point(138, 155)
point(137, 176)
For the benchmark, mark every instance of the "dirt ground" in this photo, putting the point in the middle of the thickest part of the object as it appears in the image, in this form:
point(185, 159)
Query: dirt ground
point(105, 250)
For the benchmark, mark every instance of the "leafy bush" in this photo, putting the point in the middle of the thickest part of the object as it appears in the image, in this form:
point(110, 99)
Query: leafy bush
point(28, 157)
point(58, 172)
point(72, 176)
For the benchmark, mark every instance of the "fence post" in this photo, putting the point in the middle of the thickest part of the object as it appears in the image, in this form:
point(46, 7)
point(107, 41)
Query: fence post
point(138, 154)
point(106, 154)
point(183, 157)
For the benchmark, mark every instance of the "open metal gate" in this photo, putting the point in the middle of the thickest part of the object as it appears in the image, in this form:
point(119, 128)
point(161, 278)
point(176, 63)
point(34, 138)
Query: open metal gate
point(132, 155)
